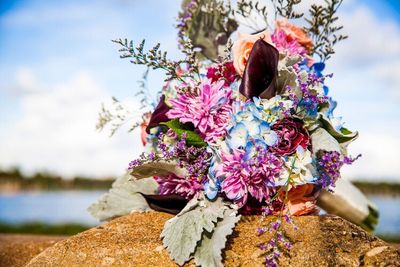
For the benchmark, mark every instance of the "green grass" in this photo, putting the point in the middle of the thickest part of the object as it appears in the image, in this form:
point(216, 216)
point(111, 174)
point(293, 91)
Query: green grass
point(43, 228)
point(395, 238)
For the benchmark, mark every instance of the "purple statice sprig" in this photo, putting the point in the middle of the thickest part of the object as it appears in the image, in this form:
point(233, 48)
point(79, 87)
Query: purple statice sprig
point(329, 164)
point(286, 112)
point(279, 242)
point(164, 152)
point(309, 101)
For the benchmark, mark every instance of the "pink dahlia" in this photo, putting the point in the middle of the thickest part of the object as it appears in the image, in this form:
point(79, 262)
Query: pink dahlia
point(172, 184)
point(254, 175)
point(208, 108)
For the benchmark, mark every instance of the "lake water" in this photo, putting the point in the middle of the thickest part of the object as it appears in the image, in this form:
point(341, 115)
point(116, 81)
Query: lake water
point(48, 206)
point(389, 214)
point(71, 206)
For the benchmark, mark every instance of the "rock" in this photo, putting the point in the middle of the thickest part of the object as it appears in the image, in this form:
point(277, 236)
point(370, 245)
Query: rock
point(133, 240)
point(16, 250)
point(381, 256)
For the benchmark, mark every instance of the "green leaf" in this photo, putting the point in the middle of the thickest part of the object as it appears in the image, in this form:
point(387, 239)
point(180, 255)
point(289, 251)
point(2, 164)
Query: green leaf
point(192, 138)
point(342, 136)
point(157, 168)
point(209, 252)
point(345, 131)
point(182, 233)
point(372, 219)
point(123, 198)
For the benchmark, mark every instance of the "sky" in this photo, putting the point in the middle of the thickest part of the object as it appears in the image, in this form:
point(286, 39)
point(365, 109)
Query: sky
point(58, 64)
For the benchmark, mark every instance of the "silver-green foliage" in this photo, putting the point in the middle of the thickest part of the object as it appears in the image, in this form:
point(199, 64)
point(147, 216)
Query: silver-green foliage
point(200, 230)
point(123, 198)
point(209, 251)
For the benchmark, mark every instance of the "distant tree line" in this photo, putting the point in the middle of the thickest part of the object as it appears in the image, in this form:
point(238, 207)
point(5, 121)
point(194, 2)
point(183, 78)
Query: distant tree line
point(13, 177)
point(378, 188)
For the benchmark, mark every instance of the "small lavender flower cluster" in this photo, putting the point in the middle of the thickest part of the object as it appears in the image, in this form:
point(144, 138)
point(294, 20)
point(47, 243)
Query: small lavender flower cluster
point(329, 165)
point(273, 248)
point(194, 160)
point(311, 94)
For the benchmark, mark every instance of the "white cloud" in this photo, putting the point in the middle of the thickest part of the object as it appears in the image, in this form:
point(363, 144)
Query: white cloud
point(371, 39)
point(56, 132)
point(25, 81)
point(379, 157)
point(388, 73)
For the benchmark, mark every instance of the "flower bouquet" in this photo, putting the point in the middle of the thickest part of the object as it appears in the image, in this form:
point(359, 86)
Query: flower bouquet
point(241, 128)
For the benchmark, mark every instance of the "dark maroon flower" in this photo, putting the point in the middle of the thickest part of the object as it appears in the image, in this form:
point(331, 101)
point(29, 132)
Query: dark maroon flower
point(291, 134)
point(224, 71)
point(259, 76)
point(159, 115)
point(252, 207)
point(166, 203)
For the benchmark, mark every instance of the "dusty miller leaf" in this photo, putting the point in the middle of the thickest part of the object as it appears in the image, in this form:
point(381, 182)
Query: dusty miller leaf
point(182, 233)
point(191, 205)
point(209, 252)
point(286, 74)
point(157, 168)
point(123, 198)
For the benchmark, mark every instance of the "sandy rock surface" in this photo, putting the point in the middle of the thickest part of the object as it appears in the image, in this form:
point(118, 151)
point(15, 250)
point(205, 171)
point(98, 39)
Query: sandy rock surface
point(16, 250)
point(133, 240)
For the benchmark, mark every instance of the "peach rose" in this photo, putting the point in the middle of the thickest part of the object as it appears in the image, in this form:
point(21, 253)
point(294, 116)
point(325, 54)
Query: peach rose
point(143, 126)
point(295, 33)
point(301, 200)
point(242, 47)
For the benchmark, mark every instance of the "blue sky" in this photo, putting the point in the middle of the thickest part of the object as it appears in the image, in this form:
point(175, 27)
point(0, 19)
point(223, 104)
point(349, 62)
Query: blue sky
point(57, 65)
